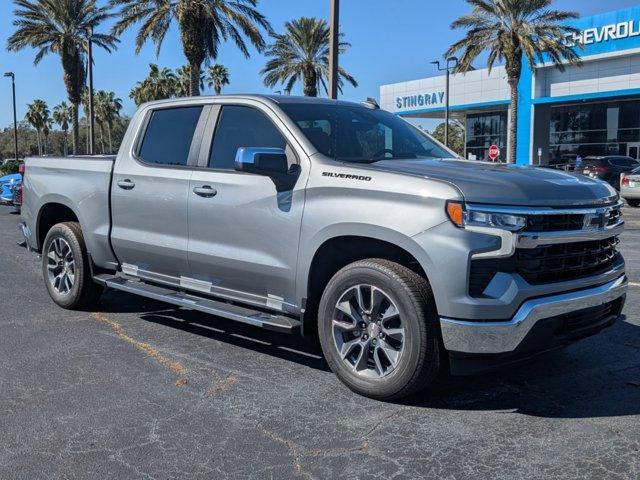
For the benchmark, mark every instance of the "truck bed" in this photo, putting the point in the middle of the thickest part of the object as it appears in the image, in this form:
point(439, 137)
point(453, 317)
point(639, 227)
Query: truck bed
point(82, 184)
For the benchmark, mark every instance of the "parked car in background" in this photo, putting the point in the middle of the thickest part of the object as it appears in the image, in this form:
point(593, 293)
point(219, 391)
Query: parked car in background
point(608, 168)
point(6, 188)
point(566, 162)
point(17, 196)
point(630, 187)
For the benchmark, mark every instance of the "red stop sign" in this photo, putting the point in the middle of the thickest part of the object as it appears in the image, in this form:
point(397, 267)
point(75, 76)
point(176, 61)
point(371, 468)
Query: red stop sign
point(494, 152)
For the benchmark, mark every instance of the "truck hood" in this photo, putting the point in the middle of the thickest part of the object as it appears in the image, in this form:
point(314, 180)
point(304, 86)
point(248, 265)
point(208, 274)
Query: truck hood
point(495, 183)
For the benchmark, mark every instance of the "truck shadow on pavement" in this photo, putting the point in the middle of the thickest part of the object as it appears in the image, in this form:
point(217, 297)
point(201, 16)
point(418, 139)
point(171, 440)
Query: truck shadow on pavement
point(293, 348)
point(596, 377)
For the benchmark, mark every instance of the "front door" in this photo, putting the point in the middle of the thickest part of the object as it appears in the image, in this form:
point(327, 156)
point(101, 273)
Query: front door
point(150, 192)
point(243, 234)
point(633, 150)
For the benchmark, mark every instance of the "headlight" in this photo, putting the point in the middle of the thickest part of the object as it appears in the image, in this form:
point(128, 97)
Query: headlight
point(462, 217)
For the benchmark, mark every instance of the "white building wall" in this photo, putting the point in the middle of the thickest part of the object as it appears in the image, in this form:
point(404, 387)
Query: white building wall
point(474, 87)
point(595, 76)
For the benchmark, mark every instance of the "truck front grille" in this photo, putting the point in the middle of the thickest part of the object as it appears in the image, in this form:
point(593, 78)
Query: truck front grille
point(547, 264)
point(554, 223)
point(558, 222)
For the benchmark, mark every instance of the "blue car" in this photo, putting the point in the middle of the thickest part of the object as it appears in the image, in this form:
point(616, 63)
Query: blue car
point(6, 187)
point(17, 196)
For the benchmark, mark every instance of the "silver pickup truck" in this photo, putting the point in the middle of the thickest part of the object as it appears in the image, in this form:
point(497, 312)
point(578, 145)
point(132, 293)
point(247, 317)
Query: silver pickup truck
point(338, 220)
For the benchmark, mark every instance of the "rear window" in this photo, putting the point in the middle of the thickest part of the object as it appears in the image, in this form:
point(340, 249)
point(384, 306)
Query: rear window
point(622, 162)
point(167, 139)
point(592, 162)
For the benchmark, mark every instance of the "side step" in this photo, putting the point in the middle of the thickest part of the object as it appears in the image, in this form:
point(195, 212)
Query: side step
point(269, 321)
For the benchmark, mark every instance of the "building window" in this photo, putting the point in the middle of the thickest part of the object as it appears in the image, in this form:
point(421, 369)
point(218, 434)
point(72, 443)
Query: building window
point(484, 130)
point(593, 129)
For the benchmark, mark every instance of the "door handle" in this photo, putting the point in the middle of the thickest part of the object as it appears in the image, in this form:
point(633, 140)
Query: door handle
point(126, 184)
point(206, 191)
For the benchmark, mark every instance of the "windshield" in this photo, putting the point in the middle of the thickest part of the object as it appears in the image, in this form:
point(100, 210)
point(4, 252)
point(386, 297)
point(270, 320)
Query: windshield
point(359, 134)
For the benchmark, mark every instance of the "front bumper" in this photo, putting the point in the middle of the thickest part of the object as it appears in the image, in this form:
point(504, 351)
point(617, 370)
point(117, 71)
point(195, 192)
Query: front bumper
point(497, 337)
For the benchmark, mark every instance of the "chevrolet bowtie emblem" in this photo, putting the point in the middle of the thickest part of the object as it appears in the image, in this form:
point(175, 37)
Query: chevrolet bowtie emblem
point(597, 220)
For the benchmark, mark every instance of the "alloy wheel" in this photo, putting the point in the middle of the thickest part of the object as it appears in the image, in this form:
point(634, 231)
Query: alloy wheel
point(368, 331)
point(61, 266)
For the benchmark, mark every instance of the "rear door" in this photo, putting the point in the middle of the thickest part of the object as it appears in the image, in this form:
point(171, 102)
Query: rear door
point(243, 235)
point(150, 192)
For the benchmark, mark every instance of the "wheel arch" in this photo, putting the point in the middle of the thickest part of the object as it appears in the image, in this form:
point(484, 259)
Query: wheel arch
point(52, 212)
point(336, 251)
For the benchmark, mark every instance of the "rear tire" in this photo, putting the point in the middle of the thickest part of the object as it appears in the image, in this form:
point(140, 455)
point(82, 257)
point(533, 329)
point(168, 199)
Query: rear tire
point(66, 270)
point(633, 203)
point(397, 329)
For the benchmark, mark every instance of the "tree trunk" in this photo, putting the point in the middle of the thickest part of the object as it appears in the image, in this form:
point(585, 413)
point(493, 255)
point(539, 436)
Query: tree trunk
point(310, 87)
point(194, 79)
point(101, 138)
point(76, 128)
point(513, 120)
point(39, 142)
point(110, 139)
point(65, 142)
point(218, 88)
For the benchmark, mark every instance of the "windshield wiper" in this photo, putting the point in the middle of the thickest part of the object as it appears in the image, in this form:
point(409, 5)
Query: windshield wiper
point(405, 156)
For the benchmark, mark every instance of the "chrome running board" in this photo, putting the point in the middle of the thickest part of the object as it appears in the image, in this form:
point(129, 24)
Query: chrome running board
point(230, 311)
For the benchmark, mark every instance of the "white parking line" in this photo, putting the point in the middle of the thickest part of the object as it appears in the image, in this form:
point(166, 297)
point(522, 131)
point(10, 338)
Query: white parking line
point(634, 284)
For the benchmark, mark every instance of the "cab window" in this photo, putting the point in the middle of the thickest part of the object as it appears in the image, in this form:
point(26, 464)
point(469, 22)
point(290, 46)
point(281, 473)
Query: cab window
point(237, 127)
point(168, 136)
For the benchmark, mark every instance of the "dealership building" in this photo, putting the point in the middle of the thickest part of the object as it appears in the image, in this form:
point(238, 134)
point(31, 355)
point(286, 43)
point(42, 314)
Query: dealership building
point(593, 109)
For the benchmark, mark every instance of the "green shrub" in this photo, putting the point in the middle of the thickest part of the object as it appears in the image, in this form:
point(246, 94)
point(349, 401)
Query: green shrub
point(9, 167)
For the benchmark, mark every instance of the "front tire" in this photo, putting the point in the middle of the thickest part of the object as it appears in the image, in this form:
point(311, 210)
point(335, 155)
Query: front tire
point(633, 203)
point(65, 267)
point(378, 329)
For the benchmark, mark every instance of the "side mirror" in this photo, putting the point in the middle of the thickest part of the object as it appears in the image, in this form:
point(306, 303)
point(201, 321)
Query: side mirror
point(262, 161)
point(270, 162)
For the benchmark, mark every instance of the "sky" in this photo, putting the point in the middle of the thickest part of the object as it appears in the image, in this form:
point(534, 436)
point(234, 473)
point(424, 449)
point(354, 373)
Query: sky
point(392, 41)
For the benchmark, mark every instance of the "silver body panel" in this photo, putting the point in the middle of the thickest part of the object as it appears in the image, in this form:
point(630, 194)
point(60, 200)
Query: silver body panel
point(254, 245)
point(80, 184)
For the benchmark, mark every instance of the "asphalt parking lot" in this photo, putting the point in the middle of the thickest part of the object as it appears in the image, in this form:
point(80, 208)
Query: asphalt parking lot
point(138, 389)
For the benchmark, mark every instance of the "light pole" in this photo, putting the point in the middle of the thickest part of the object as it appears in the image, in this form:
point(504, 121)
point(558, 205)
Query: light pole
point(15, 119)
point(334, 34)
point(452, 63)
point(92, 138)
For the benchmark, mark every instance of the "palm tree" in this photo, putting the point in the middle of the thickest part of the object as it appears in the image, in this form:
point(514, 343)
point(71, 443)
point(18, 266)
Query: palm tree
point(38, 117)
point(184, 81)
point(217, 77)
point(61, 27)
point(511, 30)
point(302, 52)
point(202, 24)
point(108, 108)
point(62, 115)
point(160, 83)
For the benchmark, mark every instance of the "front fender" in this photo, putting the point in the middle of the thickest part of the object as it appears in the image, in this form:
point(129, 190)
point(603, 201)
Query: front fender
point(312, 245)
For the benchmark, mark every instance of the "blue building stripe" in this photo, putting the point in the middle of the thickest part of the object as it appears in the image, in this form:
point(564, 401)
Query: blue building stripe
point(629, 92)
point(524, 126)
point(468, 106)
